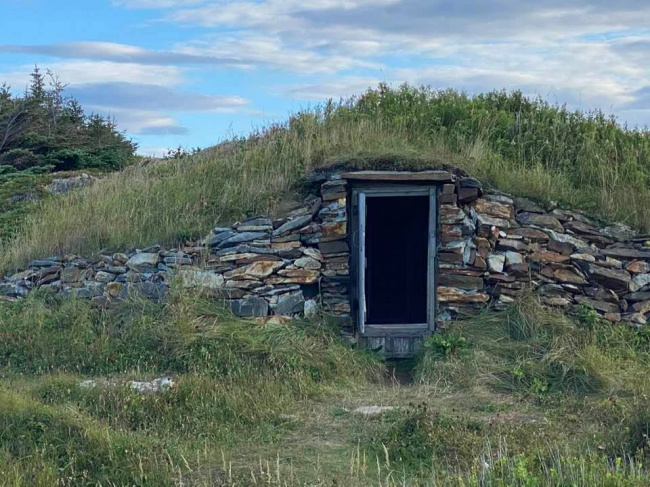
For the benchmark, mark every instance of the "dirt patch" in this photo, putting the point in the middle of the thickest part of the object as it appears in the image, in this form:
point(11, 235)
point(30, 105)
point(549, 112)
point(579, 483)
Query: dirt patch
point(399, 372)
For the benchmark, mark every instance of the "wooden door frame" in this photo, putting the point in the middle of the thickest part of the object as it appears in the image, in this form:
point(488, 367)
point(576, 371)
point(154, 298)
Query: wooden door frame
point(357, 279)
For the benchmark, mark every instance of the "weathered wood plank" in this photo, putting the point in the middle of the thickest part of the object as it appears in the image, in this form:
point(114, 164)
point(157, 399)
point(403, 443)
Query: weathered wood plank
point(432, 176)
point(405, 330)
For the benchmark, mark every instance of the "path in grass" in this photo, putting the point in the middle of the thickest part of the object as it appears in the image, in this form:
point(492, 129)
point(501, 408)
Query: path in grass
point(326, 439)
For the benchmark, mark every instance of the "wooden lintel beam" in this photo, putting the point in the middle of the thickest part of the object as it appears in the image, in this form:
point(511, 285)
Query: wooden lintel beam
point(431, 176)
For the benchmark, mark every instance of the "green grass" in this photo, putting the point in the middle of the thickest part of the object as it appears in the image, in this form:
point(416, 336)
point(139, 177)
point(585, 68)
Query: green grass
point(190, 332)
point(16, 184)
point(271, 404)
point(526, 347)
point(237, 383)
point(53, 445)
point(525, 147)
point(20, 192)
point(528, 396)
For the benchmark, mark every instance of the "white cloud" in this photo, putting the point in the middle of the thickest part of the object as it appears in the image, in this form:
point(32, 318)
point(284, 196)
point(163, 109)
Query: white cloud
point(152, 97)
point(244, 51)
point(153, 151)
point(586, 52)
point(256, 51)
point(86, 72)
point(268, 13)
point(145, 122)
point(120, 53)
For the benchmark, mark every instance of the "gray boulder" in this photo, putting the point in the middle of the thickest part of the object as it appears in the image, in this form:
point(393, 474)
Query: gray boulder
point(249, 307)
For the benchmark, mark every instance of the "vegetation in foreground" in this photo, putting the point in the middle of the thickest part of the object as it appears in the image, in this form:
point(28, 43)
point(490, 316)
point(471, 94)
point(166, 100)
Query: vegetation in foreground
point(524, 397)
point(527, 396)
point(526, 147)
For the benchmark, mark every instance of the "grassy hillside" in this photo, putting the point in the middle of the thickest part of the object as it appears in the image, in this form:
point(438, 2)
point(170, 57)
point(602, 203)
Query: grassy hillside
point(45, 134)
point(526, 147)
point(524, 397)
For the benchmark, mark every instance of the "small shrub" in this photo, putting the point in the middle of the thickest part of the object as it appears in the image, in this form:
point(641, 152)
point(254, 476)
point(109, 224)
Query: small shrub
point(445, 345)
point(20, 159)
point(69, 159)
point(587, 316)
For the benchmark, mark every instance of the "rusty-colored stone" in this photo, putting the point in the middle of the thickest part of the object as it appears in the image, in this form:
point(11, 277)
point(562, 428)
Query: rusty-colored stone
point(453, 295)
point(263, 268)
point(113, 289)
point(335, 229)
point(449, 233)
point(494, 208)
point(496, 278)
point(547, 256)
point(638, 267)
point(613, 317)
point(568, 276)
point(285, 245)
point(462, 272)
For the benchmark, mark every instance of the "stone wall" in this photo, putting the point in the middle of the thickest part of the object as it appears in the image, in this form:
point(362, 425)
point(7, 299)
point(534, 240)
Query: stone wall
point(492, 247)
point(261, 266)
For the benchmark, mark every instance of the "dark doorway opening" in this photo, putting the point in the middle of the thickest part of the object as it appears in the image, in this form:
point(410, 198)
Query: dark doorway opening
point(397, 229)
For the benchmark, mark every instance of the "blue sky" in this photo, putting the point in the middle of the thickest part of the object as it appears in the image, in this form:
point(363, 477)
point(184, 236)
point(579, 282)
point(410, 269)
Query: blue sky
point(195, 72)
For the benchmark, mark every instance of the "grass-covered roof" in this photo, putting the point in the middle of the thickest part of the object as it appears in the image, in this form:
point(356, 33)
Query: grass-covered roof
point(512, 143)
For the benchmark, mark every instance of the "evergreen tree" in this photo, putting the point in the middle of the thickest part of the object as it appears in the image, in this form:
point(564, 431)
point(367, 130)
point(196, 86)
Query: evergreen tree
point(45, 128)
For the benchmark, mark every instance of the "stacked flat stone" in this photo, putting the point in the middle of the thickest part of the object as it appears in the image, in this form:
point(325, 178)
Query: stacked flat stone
point(491, 248)
point(494, 247)
point(333, 245)
point(261, 266)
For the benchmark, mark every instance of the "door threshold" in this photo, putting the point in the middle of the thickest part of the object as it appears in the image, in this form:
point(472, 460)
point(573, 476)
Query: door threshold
point(396, 330)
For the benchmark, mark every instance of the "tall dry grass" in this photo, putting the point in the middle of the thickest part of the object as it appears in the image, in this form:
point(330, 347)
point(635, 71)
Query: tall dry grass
point(524, 147)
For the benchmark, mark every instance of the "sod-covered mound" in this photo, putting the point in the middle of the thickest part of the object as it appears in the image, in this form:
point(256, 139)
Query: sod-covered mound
point(525, 147)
